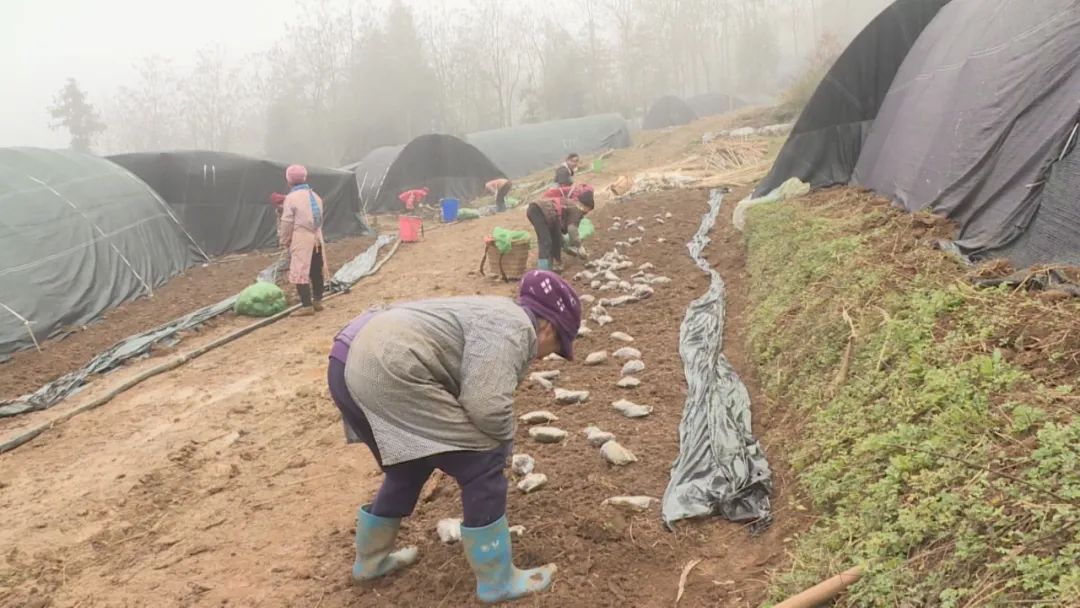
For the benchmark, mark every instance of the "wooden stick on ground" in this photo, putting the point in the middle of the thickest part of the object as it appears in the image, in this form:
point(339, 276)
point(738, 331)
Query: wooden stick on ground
point(823, 591)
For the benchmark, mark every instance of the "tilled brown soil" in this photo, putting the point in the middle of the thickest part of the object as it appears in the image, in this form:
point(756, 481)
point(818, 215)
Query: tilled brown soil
point(201, 286)
point(227, 483)
point(606, 557)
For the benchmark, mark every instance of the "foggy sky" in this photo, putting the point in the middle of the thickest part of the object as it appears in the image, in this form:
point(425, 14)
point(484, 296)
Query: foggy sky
point(44, 42)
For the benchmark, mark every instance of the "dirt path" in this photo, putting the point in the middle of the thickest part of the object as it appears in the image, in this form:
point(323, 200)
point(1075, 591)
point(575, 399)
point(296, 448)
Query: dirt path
point(227, 481)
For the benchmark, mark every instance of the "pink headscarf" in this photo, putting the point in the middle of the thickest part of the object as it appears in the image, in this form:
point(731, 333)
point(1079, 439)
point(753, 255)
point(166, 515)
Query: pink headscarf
point(296, 174)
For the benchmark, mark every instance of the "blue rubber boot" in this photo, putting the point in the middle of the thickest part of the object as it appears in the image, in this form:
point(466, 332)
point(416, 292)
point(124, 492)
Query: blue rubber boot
point(488, 550)
point(543, 264)
point(375, 554)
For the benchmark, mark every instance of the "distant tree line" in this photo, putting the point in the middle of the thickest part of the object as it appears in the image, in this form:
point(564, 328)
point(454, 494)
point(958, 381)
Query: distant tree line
point(346, 77)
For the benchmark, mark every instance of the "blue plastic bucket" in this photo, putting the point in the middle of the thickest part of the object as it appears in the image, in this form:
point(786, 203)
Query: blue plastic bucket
point(449, 209)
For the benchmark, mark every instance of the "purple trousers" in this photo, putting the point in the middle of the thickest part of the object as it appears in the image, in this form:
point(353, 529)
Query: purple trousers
point(479, 474)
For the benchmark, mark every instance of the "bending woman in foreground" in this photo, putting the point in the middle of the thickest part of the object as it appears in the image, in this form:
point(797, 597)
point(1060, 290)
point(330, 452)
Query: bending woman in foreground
point(430, 385)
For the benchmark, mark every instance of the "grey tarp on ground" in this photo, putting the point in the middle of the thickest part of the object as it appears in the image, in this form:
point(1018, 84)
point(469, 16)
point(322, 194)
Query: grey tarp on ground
point(140, 344)
point(524, 149)
point(827, 139)
point(222, 199)
point(721, 468)
point(981, 107)
point(78, 235)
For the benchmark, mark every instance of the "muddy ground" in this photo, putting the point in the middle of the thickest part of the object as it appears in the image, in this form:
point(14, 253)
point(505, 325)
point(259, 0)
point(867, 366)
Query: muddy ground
point(200, 286)
point(227, 482)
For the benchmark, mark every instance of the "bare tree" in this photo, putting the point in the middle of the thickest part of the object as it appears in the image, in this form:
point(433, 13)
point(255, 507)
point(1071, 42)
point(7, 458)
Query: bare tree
point(502, 61)
point(214, 98)
point(147, 114)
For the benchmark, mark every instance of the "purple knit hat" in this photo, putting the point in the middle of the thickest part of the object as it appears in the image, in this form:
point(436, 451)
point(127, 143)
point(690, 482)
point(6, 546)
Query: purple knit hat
point(551, 298)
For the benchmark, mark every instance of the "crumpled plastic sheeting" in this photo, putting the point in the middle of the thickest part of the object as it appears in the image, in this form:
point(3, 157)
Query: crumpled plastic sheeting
point(1033, 279)
point(360, 266)
point(139, 344)
point(721, 468)
point(792, 188)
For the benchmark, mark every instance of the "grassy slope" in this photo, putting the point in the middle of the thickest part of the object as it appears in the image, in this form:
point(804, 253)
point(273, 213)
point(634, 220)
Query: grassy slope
point(940, 438)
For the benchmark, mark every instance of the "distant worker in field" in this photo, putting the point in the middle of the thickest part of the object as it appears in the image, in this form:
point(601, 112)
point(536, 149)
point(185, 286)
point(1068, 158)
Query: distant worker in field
point(430, 385)
point(553, 217)
point(500, 188)
point(300, 230)
point(413, 198)
point(564, 175)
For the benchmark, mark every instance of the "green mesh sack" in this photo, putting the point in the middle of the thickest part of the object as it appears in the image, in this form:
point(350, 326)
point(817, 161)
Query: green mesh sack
point(585, 229)
point(261, 300)
point(504, 237)
point(466, 213)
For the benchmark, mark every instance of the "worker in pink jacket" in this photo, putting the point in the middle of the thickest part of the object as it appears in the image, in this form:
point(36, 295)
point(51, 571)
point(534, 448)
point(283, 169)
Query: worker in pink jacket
point(300, 230)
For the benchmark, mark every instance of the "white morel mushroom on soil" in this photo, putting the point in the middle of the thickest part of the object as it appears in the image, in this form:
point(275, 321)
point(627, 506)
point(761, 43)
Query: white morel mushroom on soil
point(596, 358)
point(659, 281)
point(642, 292)
point(554, 357)
point(617, 454)
point(597, 311)
point(631, 409)
point(566, 397)
point(522, 464)
point(628, 382)
point(604, 320)
point(596, 437)
point(630, 503)
point(587, 298)
point(532, 482)
point(517, 530)
point(646, 266)
point(449, 530)
point(547, 434)
point(538, 417)
point(626, 353)
point(633, 367)
point(622, 337)
point(596, 284)
point(548, 374)
point(544, 383)
point(584, 331)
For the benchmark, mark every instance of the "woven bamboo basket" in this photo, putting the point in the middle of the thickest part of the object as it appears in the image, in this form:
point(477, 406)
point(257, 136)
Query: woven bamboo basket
point(508, 266)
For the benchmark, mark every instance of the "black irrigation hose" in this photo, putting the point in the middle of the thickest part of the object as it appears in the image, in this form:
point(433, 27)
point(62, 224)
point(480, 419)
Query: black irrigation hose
point(29, 435)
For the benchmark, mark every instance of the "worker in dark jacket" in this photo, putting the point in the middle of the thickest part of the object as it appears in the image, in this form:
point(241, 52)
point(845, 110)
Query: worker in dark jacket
point(553, 217)
point(564, 175)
